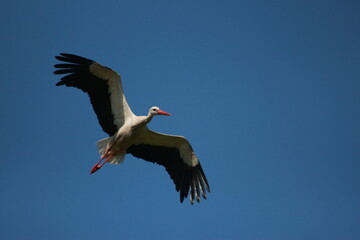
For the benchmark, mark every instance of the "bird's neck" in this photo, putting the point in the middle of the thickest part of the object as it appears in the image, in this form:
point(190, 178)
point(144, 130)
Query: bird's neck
point(148, 118)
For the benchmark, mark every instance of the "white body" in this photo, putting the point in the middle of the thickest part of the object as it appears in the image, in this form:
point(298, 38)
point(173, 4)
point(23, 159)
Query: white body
point(128, 132)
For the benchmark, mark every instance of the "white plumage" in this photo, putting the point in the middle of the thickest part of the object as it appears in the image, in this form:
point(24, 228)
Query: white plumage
point(128, 133)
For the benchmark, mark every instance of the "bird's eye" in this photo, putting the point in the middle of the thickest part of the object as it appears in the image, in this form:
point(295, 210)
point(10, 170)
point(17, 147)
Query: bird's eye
point(154, 110)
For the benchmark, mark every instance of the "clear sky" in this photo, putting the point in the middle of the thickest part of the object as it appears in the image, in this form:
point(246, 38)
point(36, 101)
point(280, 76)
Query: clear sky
point(267, 92)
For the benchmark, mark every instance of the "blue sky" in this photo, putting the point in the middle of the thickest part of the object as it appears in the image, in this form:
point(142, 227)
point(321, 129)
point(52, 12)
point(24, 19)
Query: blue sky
point(267, 92)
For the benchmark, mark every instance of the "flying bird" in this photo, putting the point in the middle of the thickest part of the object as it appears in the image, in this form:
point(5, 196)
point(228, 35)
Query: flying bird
point(128, 133)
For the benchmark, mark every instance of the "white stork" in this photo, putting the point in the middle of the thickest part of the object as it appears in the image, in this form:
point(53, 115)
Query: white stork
point(128, 132)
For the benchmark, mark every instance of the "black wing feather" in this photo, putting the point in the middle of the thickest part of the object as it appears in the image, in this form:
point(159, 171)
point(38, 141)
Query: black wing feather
point(185, 178)
point(79, 76)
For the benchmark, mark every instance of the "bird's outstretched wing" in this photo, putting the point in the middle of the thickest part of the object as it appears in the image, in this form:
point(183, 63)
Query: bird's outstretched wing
point(179, 160)
point(102, 84)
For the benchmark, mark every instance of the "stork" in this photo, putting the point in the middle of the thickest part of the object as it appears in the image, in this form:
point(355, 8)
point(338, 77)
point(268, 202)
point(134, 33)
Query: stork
point(128, 133)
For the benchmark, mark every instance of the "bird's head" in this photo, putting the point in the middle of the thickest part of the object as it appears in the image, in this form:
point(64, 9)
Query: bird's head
point(156, 111)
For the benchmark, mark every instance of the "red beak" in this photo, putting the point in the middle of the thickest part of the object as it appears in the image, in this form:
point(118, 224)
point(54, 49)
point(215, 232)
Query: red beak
point(161, 112)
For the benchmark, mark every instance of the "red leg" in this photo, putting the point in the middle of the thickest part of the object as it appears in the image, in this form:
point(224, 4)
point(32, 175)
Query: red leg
point(97, 166)
point(105, 157)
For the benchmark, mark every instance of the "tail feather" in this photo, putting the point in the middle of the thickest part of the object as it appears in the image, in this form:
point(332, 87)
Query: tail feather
point(104, 148)
point(103, 145)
